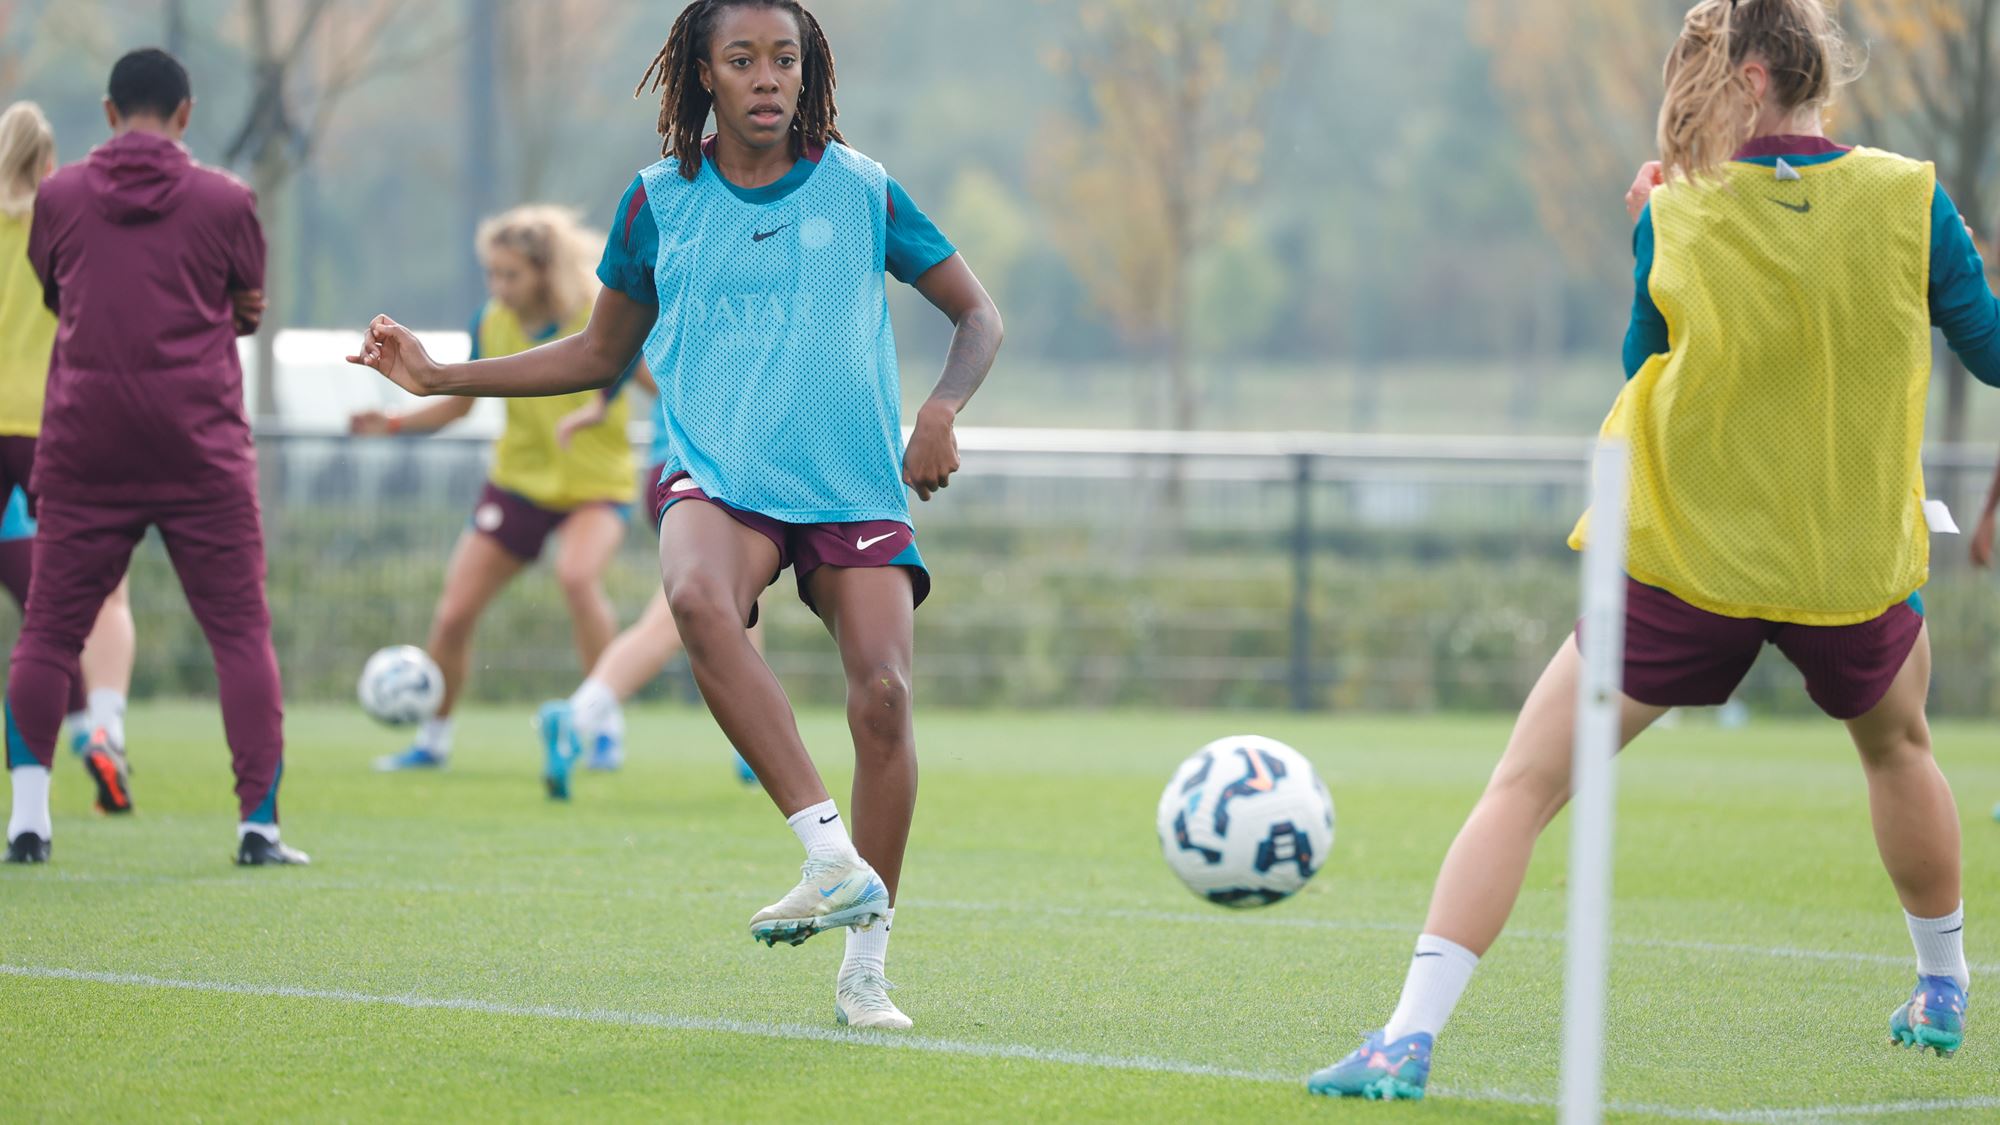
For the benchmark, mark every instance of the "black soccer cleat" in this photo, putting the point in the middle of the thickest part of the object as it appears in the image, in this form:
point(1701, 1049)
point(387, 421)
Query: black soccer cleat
point(28, 847)
point(106, 765)
point(253, 850)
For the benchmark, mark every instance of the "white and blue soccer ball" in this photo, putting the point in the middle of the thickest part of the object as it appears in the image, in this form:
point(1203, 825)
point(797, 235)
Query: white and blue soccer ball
point(401, 686)
point(1246, 822)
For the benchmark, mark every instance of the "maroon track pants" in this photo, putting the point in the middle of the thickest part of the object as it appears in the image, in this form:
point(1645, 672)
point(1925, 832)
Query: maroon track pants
point(217, 548)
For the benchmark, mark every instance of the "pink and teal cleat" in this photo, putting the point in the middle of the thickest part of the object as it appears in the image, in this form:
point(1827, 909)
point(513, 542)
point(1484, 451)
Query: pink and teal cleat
point(1379, 1071)
point(1933, 1018)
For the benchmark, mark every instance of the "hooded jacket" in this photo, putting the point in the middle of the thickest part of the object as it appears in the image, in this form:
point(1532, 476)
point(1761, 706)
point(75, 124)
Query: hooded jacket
point(138, 249)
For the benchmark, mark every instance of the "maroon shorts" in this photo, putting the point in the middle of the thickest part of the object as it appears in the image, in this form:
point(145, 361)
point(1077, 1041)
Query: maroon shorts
point(521, 526)
point(17, 467)
point(1677, 655)
point(805, 547)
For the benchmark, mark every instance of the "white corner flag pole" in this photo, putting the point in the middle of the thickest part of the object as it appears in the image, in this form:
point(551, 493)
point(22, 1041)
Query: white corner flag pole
point(1594, 790)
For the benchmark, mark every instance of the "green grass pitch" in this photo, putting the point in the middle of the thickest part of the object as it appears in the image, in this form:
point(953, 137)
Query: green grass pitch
point(462, 949)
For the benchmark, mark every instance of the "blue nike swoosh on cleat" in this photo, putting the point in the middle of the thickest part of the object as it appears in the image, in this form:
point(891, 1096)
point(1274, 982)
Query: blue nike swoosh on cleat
point(829, 892)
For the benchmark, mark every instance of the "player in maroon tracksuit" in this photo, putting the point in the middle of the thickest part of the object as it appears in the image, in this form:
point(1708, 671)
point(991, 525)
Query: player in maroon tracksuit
point(153, 265)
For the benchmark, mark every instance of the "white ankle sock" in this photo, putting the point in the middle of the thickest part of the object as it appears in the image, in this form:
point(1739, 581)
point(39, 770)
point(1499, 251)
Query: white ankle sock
point(268, 831)
point(31, 801)
point(1940, 945)
point(78, 724)
point(820, 829)
point(593, 709)
point(107, 713)
point(1438, 975)
point(435, 736)
point(868, 949)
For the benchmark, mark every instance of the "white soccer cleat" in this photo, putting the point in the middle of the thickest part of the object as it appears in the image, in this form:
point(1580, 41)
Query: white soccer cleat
point(832, 893)
point(861, 999)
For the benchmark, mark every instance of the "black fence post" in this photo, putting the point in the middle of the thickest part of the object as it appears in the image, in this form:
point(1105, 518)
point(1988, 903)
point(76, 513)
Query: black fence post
point(1302, 561)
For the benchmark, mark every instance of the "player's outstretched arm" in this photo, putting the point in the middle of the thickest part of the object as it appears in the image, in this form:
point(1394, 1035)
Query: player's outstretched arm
point(592, 358)
point(932, 456)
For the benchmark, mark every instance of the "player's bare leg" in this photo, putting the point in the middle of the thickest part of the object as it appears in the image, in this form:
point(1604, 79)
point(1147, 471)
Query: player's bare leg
point(871, 613)
point(479, 569)
point(1916, 831)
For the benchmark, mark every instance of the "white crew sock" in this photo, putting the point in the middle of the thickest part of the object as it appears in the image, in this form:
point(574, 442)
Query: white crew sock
point(79, 725)
point(31, 801)
point(1438, 975)
point(107, 713)
point(595, 711)
point(868, 949)
point(1940, 946)
point(435, 736)
point(820, 829)
point(268, 831)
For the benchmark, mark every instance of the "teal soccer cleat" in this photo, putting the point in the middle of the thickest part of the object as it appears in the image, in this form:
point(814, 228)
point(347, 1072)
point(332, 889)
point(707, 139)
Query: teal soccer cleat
point(559, 747)
point(1379, 1071)
point(1933, 1018)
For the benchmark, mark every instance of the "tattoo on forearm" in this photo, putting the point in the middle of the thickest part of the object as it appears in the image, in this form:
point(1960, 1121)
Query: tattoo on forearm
point(974, 345)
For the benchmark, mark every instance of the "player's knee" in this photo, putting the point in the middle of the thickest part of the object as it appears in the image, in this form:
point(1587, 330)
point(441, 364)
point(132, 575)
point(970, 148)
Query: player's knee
point(701, 605)
point(879, 701)
point(579, 583)
point(1906, 745)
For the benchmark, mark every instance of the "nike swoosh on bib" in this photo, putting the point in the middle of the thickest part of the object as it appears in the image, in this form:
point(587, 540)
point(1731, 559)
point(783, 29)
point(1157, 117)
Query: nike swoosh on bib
point(1801, 208)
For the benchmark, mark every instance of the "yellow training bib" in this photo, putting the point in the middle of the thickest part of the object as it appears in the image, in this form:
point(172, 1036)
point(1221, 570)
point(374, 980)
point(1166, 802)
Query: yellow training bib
point(27, 335)
point(598, 466)
point(1777, 445)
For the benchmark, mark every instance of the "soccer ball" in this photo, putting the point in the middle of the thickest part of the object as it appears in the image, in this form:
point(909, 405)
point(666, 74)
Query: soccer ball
point(1245, 822)
point(401, 685)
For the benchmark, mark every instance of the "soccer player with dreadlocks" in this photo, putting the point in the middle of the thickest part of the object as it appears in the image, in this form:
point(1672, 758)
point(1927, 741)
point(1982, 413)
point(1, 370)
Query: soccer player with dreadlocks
point(748, 268)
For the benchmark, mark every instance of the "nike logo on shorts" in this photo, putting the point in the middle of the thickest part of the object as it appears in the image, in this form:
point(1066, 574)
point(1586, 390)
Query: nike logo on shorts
point(685, 484)
point(864, 544)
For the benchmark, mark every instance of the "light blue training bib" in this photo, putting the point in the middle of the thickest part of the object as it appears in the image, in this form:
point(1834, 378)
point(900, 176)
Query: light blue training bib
point(774, 355)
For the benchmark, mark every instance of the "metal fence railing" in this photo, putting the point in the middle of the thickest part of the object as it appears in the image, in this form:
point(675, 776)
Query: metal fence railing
point(1073, 568)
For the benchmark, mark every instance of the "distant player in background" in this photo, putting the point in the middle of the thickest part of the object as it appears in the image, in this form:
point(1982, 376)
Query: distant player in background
point(1776, 497)
point(153, 265)
point(749, 269)
point(590, 724)
point(578, 488)
point(27, 333)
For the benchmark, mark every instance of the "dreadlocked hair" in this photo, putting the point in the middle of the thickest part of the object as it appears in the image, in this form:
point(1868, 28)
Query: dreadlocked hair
point(684, 105)
point(1710, 108)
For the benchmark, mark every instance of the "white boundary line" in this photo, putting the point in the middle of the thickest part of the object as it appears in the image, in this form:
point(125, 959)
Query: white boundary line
point(926, 1044)
point(1171, 917)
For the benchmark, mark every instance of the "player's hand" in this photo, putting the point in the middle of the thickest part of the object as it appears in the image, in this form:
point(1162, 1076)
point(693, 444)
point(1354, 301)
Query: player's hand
point(394, 351)
point(247, 310)
point(932, 456)
point(1982, 542)
point(370, 423)
point(1651, 175)
point(582, 419)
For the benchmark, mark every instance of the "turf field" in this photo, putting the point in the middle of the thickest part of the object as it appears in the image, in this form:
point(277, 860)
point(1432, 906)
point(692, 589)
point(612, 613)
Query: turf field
point(462, 949)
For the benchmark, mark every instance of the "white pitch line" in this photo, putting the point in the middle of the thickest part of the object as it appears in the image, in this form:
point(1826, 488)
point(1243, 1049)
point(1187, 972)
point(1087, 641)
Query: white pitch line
point(932, 1045)
point(1212, 918)
point(1234, 918)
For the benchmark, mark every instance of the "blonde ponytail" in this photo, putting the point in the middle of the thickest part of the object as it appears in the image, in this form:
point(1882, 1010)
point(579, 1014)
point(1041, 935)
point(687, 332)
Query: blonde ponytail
point(27, 148)
point(1711, 109)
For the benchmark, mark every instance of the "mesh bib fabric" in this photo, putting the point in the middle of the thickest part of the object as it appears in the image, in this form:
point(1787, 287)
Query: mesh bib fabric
point(1776, 446)
point(596, 468)
point(773, 352)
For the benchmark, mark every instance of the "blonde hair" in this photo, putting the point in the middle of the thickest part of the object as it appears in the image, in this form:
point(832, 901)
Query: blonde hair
point(27, 146)
point(1710, 108)
point(554, 241)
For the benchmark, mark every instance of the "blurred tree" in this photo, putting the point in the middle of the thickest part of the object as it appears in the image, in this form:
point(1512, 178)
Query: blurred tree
point(1138, 186)
point(299, 77)
point(1582, 82)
